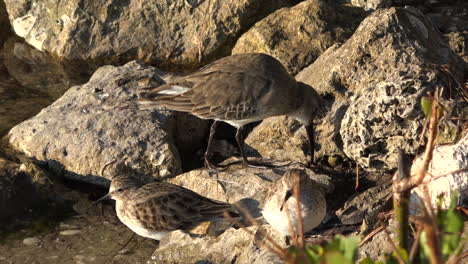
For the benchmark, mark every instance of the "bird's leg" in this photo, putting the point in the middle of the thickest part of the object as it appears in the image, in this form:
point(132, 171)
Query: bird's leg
point(310, 134)
point(208, 155)
point(245, 161)
point(240, 142)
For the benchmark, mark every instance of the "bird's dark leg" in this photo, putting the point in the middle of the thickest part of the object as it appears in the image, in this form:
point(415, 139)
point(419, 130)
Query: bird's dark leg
point(240, 142)
point(310, 134)
point(208, 155)
point(245, 161)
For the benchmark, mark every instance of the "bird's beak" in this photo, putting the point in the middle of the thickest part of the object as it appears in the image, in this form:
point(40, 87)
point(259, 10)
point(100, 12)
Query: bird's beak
point(286, 197)
point(107, 196)
point(310, 134)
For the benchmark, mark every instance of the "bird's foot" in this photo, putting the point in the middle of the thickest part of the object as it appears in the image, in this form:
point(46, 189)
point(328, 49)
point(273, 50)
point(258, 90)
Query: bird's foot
point(211, 166)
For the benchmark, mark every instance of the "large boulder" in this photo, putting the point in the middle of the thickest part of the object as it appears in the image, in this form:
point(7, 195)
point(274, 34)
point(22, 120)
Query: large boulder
point(164, 32)
point(233, 246)
point(296, 36)
point(95, 123)
point(372, 85)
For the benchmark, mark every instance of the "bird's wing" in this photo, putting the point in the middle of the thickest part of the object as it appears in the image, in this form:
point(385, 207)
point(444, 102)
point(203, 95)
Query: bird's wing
point(223, 92)
point(173, 207)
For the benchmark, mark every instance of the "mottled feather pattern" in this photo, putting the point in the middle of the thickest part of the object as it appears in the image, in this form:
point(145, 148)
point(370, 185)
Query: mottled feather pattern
point(160, 206)
point(247, 90)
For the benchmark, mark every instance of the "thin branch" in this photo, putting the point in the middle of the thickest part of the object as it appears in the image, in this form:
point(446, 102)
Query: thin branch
point(356, 186)
point(401, 200)
point(371, 234)
point(395, 249)
point(430, 143)
point(414, 247)
point(299, 213)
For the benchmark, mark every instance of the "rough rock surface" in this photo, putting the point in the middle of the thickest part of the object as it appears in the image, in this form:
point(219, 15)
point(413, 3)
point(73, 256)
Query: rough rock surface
point(296, 36)
point(365, 206)
point(372, 85)
point(287, 140)
point(459, 43)
point(443, 178)
point(371, 4)
point(163, 32)
point(378, 245)
point(95, 123)
point(233, 246)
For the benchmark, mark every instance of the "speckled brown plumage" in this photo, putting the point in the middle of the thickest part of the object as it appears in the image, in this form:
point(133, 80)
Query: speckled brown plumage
point(238, 89)
point(154, 209)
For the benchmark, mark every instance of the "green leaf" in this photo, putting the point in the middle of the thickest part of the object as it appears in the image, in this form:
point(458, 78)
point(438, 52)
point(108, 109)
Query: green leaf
point(425, 252)
point(426, 105)
point(367, 261)
point(452, 226)
point(336, 257)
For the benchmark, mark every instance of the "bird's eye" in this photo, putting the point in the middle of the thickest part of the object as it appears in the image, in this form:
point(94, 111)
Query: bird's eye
point(120, 189)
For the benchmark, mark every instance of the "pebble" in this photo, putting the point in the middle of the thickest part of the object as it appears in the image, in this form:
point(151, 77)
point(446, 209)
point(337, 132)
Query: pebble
point(124, 251)
point(70, 232)
point(31, 241)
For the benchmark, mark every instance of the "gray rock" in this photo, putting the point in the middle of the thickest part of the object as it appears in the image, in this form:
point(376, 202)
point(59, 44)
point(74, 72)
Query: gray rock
point(70, 232)
point(31, 241)
point(98, 122)
point(234, 245)
point(163, 32)
point(296, 36)
point(447, 175)
point(281, 139)
point(371, 4)
point(458, 41)
point(376, 247)
point(365, 206)
point(373, 84)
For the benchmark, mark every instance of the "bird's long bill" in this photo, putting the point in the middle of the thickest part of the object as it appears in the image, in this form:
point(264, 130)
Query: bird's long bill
point(288, 195)
point(99, 200)
point(310, 134)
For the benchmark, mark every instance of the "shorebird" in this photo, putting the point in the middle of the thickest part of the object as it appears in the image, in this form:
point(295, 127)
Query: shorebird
point(280, 198)
point(238, 90)
point(155, 209)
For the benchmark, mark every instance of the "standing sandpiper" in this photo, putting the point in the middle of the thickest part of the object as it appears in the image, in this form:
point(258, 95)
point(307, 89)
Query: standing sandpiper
point(157, 208)
point(238, 90)
point(280, 198)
